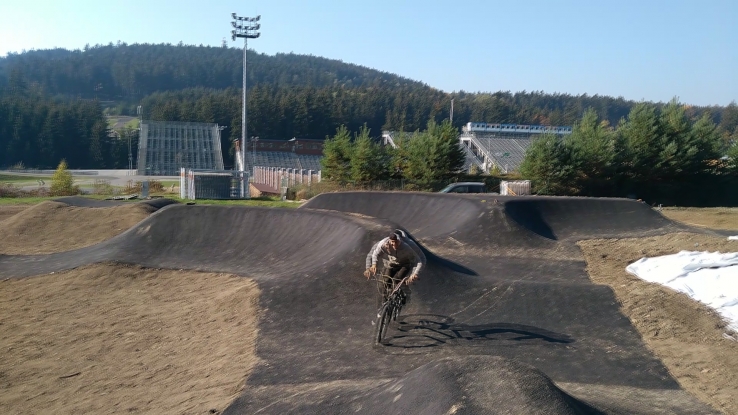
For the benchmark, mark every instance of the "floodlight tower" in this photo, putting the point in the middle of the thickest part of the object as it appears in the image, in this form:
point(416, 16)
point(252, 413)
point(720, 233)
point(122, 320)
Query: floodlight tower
point(245, 27)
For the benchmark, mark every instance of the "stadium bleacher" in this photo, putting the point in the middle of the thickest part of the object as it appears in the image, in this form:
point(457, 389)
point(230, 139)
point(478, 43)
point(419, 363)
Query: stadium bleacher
point(309, 162)
point(488, 150)
point(502, 145)
point(507, 153)
point(287, 160)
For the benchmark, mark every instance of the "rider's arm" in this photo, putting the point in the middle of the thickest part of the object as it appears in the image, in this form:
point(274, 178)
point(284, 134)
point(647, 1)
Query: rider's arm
point(419, 252)
point(420, 256)
point(371, 259)
point(369, 256)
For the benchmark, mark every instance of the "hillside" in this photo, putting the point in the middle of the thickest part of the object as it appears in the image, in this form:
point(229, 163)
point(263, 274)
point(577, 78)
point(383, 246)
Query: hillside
point(61, 96)
point(115, 72)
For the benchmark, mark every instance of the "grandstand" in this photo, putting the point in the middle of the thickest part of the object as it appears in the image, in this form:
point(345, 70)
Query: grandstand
point(299, 154)
point(286, 160)
point(501, 145)
point(167, 146)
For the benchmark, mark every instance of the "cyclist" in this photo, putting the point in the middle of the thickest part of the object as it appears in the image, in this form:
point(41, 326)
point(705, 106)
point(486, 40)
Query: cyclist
point(399, 254)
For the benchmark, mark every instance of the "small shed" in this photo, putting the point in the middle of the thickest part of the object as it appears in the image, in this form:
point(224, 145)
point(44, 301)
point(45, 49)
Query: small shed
point(260, 189)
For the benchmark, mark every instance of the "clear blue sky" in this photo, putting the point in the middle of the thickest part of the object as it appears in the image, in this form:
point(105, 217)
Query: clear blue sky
point(642, 50)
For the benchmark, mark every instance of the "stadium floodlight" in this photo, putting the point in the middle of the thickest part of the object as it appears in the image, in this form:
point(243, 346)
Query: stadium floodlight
point(245, 31)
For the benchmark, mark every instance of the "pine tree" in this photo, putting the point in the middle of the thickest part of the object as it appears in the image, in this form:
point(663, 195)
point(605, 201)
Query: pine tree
point(368, 161)
point(336, 161)
point(592, 147)
point(639, 145)
point(733, 159)
point(433, 154)
point(547, 163)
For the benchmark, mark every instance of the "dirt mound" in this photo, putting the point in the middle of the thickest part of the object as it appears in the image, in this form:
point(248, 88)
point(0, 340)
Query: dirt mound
point(111, 338)
point(8, 211)
point(54, 227)
point(576, 218)
point(474, 385)
point(423, 214)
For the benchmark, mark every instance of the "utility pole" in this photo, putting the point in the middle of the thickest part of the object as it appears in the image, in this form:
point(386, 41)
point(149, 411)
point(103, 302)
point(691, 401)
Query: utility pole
point(139, 112)
point(452, 110)
point(245, 27)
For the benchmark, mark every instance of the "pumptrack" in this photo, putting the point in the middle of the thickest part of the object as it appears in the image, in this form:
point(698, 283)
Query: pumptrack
point(503, 320)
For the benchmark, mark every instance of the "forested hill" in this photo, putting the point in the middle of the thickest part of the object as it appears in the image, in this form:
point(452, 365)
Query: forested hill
point(313, 93)
point(122, 71)
point(53, 102)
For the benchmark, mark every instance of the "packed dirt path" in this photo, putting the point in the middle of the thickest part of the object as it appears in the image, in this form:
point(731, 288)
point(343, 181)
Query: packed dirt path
point(50, 226)
point(121, 339)
point(687, 336)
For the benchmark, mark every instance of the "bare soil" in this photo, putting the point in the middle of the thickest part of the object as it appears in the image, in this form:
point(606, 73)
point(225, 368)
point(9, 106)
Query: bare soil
point(687, 336)
point(121, 339)
point(713, 218)
point(54, 227)
point(9, 211)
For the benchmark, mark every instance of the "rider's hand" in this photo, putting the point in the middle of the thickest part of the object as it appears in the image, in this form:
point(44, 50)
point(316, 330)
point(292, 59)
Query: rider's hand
point(368, 273)
point(412, 278)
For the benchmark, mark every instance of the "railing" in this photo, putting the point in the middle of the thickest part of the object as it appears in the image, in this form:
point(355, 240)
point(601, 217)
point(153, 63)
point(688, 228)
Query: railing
point(277, 177)
point(473, 157)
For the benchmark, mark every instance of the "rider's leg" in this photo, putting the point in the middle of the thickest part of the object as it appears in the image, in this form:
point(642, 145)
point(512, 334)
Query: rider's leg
point(392, 277)
point(405, 289)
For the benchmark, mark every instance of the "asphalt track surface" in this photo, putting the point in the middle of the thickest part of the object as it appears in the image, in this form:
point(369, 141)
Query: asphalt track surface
point(503, 320)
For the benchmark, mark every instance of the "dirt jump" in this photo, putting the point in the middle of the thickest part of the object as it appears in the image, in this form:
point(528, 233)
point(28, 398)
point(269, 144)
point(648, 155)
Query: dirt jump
point(504, 319)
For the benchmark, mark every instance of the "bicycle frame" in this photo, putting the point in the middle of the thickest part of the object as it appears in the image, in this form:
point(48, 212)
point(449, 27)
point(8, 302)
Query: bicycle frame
point(389, 309)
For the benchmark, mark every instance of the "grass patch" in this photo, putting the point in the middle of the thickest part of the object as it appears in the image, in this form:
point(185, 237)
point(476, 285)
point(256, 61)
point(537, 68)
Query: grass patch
point(17, 178)
point(261, 202)
point(23, 200)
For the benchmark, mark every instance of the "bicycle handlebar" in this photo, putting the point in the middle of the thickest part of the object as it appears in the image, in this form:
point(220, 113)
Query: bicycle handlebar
point(399, 284)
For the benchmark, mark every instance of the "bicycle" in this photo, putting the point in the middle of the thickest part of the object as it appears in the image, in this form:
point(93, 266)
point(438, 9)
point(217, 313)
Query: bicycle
point(393, 298)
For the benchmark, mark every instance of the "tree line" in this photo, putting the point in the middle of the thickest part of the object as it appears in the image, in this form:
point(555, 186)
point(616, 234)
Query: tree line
point(289, 96)
point(126, 74)
point(38, 131)
point(423, 157)
point(660, 155)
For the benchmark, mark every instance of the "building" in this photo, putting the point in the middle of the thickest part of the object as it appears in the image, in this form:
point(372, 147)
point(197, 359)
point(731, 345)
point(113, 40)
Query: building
point(297, 153)
point(165, 146)
point(501, 146)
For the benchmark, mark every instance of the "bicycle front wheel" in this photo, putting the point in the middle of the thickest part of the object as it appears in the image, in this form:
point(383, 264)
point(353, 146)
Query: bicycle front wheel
point(383, 320)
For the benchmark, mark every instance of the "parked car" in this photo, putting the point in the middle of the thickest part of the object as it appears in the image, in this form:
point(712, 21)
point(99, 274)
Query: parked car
point(465, 187)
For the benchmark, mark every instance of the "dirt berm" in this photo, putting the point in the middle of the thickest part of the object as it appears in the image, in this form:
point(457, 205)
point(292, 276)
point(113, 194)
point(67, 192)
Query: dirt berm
point(69, 223)
point(524, 332)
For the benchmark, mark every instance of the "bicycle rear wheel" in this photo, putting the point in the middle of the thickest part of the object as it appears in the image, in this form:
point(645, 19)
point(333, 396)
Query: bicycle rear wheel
point(383, 320)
